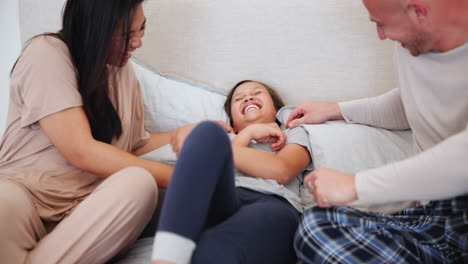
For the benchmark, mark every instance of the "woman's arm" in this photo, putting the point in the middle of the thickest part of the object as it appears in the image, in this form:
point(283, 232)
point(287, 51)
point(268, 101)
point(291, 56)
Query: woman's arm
point(70, 132)
point(291, 160)
point(156, 141)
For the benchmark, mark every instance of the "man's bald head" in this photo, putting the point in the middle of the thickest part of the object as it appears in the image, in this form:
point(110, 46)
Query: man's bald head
point(421, 25)
point(389, 5)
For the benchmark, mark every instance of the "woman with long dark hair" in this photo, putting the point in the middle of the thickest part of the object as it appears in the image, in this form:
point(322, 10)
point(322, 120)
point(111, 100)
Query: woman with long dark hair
point(72, 189)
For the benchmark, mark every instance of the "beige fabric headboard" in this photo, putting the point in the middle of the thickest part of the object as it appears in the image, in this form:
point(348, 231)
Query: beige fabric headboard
point(305, 49)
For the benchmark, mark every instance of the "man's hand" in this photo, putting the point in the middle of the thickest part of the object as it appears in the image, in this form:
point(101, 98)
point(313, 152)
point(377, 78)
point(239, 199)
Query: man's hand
point(313, 113)
point(331, 187)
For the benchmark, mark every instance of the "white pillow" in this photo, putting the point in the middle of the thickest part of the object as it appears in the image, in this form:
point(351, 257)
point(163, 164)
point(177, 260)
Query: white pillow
point(351, 148)
point(172, 101)
point(164, 154)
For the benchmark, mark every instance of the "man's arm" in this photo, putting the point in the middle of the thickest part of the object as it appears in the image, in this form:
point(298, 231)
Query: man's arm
point(440, 172)
point(384, 111)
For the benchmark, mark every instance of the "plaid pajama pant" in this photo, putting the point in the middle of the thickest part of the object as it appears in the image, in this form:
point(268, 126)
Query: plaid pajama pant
point(434, 233)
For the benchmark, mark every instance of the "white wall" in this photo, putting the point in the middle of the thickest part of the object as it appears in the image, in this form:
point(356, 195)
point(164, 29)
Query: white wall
point(325, 50)
point(10, 49)
point(306, 49)
point(39, 16)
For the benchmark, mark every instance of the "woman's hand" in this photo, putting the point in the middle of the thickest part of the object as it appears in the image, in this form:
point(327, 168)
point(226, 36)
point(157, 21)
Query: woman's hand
point(225, 126)
point(330, 187)
point(264, 133)
point(178, 137)
point(180, 134)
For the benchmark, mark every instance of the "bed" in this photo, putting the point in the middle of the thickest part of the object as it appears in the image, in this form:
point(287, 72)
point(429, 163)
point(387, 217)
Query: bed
point(196, 50)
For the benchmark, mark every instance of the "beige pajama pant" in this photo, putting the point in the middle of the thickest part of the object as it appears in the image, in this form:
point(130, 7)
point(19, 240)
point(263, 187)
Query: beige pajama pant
point(104, 223)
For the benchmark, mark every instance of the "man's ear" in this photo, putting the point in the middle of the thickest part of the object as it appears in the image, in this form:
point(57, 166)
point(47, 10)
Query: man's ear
point(418, 10)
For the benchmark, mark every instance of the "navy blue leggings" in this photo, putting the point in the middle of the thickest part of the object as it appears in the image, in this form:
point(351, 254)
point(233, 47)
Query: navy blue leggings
point(228, 224)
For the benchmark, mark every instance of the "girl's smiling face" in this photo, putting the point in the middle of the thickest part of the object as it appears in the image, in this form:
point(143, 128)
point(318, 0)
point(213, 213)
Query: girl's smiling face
point(251, 103)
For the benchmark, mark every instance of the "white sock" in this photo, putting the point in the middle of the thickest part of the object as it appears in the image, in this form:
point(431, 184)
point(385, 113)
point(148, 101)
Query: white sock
point(172, 247)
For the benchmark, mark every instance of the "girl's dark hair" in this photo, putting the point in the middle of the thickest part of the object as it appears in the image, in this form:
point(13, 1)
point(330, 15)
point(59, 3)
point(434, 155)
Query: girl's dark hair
point(88, 27)
point(277, 101)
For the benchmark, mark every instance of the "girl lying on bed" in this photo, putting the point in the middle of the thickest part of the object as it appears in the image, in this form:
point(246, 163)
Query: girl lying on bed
point(214, 213)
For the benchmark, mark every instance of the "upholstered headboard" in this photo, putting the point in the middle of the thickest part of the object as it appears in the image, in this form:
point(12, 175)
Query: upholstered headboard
point(306, 49)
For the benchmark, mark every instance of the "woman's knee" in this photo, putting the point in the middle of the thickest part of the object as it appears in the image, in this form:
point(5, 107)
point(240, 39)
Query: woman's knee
point(11, 211)
point(15, 205)
point(136, 186)
point(20, 228)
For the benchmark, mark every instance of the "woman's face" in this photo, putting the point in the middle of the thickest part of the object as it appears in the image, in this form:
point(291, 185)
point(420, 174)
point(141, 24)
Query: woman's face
point(251, 103)
point(119, 56)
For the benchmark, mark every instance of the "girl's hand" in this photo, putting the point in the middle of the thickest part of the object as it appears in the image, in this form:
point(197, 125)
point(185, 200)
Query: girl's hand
point(264, 133)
